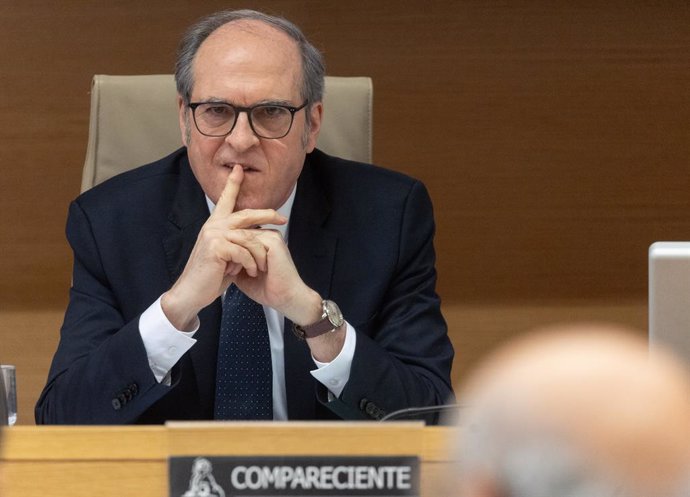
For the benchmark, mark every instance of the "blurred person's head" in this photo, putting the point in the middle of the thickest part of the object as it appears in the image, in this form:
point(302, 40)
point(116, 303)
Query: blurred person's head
point(578, 411)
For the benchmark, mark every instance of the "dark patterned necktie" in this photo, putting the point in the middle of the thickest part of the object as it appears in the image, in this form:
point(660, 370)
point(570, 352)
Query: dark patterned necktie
point(244, 381)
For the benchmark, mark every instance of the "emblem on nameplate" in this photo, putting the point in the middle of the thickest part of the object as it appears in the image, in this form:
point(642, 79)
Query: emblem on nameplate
point(202, 483)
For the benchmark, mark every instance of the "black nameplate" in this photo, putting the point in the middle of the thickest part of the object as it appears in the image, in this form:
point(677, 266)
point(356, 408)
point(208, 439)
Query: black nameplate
point(293, 476)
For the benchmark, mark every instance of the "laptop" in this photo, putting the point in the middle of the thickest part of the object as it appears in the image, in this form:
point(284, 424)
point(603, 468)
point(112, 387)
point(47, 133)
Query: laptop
point(669, 297)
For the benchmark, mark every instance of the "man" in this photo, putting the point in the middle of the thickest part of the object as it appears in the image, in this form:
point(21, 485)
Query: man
point(146, 338)
point(581, 411)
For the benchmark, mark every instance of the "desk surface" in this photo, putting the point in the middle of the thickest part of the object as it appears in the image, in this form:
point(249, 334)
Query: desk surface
point(132, 460)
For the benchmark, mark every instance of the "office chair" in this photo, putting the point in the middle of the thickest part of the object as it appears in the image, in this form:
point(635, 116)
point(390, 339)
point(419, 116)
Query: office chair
point(134, 121)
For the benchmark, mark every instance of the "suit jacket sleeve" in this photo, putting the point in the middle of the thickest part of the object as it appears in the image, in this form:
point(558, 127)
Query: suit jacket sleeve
point(403, 354)
point(100, 372)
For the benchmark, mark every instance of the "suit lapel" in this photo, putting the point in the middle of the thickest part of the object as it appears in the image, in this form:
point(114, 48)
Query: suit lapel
point(186, 217)
point(313, 250)
point(188, 214)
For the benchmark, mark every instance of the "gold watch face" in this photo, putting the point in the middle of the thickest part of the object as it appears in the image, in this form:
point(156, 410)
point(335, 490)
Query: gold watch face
point(333, 313)
point(331, 320)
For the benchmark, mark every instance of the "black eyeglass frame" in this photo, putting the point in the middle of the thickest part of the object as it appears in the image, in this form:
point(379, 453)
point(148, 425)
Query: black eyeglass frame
point(248, 110)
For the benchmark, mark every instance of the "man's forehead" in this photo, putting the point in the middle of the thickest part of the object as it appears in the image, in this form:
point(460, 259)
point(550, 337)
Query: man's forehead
point(252, 32)
point(249, 49)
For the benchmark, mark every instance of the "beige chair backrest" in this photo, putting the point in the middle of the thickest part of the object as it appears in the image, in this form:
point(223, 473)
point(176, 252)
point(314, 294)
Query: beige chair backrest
point(134, 121)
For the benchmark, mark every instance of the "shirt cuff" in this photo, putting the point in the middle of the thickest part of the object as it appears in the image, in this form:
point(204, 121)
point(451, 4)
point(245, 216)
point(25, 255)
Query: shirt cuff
point(334, 375)
point(164, 343)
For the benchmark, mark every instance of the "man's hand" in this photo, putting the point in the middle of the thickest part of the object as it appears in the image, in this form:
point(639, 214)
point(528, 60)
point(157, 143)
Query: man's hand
point(232, 247)
point(226, 246)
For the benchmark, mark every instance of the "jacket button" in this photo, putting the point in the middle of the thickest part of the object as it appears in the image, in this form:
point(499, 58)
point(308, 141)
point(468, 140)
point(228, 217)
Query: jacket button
point(374, 411)
point(134, 388)
point(122, 399)
point(363, 404)
point(116, 404)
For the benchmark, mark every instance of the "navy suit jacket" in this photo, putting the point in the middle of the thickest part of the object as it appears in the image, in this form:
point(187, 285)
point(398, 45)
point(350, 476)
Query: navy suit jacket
point(359, 235)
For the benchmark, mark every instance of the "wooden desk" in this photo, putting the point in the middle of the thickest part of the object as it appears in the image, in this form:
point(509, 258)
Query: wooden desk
point(115, 461)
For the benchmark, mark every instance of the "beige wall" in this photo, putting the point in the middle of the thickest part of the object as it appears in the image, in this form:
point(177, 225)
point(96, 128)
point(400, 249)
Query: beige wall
point(553, 138)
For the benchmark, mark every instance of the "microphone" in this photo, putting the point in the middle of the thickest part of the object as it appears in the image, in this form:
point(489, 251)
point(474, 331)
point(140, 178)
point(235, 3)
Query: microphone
point(410, 412)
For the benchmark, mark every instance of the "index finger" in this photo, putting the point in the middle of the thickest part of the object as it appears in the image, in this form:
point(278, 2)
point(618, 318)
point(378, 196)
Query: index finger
point(226, 202)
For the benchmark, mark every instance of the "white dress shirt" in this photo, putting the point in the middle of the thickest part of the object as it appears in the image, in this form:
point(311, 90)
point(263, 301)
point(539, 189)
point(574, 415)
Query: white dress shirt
point(165, 344)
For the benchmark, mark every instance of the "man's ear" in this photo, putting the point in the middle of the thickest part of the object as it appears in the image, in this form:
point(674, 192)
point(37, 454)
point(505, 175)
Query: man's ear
point(316, 115)
point(183, 116)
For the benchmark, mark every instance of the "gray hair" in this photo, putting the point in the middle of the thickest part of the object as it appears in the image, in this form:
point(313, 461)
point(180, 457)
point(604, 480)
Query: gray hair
point(313, 67)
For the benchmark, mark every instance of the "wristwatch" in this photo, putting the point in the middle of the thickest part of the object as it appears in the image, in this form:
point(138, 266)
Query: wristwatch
point(331, 320)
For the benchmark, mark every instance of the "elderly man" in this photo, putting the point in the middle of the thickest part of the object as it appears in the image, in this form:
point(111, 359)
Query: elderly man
point(178, 314)
point(582, 411)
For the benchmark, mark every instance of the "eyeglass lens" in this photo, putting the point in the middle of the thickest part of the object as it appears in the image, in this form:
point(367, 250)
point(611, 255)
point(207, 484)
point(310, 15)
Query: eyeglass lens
point(218, 119)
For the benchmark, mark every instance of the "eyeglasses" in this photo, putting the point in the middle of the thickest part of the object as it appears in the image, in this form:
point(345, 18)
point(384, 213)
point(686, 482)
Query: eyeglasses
point(266, 120)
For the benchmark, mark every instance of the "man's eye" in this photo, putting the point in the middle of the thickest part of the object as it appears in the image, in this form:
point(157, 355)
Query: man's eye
point(270, 111)
point(218, 111)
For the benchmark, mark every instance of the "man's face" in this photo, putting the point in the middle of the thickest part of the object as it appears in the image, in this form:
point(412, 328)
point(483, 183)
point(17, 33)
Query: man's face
point(245, 63)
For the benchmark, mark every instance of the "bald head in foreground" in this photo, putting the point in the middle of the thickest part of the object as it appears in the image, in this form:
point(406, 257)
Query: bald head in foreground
point(581, 411)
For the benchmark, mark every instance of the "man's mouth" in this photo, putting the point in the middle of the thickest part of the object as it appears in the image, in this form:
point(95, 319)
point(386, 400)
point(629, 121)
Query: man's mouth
point(245, 168)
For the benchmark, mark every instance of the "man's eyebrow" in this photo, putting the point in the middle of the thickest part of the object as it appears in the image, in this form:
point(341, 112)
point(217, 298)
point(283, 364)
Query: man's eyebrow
point(275, 102)
point(218, 100)
point(215, 100)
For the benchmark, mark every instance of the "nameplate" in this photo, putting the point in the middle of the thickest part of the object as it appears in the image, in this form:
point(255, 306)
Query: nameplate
point(293, 476)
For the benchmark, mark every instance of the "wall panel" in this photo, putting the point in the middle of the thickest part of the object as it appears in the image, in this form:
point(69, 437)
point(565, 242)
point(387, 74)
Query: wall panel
point(552, 135)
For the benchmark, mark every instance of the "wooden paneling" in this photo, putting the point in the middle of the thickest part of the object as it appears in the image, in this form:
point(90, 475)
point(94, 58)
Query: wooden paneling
point(552, 135)
point(115, 461)
point(476, 330)
point(29, 338)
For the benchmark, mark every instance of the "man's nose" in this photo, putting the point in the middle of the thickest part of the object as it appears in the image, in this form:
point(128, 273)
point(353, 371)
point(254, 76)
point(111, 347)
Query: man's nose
point(242, 136)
